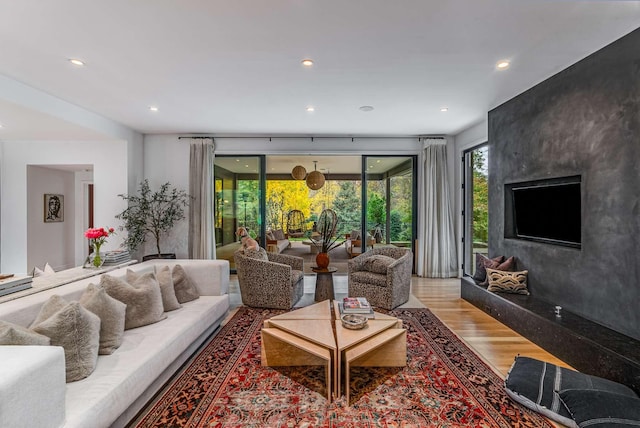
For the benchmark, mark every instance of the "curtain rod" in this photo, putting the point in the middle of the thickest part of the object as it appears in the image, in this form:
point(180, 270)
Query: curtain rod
point(312, 138)
point(196, 138)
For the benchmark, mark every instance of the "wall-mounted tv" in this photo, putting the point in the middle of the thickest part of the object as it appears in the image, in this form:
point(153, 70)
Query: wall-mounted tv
point(548, 213)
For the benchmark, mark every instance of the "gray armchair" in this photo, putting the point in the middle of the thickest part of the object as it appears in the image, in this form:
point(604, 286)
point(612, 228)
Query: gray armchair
point(382, 275)
point(269, 280)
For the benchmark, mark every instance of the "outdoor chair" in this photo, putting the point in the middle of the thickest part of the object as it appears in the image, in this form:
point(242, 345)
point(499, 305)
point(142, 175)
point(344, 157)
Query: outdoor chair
point(382, 275)
point(269, 280)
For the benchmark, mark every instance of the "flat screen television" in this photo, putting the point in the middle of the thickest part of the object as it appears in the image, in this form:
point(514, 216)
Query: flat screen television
point(548, 213)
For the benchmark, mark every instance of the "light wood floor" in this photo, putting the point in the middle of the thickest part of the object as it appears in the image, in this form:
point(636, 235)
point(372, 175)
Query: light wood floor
point(496, 343)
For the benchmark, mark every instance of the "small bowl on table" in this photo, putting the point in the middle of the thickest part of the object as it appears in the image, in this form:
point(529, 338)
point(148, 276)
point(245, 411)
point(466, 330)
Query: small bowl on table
point(353, 321)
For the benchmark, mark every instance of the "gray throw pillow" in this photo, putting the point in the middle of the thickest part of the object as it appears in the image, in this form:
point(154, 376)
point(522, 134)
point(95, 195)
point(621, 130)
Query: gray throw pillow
point(186, 290)
point(13, 334)
point(167, 289)
point(112, 314)
point(355, 235)
point(508, 265)
point(143, 299)
point(601, 409)
point(279, 235)
point(535, 384)
point(378, 263)
point(74, 328)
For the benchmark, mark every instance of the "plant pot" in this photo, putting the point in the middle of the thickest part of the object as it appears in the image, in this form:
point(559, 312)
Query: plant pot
point(158, 256)
point(322, 260)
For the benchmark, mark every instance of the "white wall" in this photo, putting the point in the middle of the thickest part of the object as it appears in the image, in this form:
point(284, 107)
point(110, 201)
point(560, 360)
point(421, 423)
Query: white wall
point(110, 161)
point(51, 243)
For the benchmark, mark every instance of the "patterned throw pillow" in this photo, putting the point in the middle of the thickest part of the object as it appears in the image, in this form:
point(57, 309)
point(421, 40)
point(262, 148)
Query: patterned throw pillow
point(507, 282)
point(509, 265)
point(378, 263)
point(482, 263)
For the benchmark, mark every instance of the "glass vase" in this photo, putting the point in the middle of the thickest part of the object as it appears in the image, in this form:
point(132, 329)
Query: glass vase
point(95, 258)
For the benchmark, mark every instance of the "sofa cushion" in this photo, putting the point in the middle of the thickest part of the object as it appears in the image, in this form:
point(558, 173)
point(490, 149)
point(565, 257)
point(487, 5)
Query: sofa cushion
point(13, 334)
point(143, 299)
point(366, 277)
point(279, 234)
point(535, 384)
point(186, 290)
point(508, 265)
point(507, 282)
point(482, 263)
point(112, 317)
point(165, 282)
point(600, 409)
point(74, 328)
point(378, 263)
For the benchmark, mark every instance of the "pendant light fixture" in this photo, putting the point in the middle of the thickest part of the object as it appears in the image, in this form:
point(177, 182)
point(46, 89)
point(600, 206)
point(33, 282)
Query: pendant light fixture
point(299, 172)
point(315, 179)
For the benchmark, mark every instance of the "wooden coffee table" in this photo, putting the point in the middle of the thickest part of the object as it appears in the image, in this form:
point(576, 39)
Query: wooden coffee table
point(314, 336)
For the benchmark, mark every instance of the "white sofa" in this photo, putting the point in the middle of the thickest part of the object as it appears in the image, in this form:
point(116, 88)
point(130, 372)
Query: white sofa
point(32, 379)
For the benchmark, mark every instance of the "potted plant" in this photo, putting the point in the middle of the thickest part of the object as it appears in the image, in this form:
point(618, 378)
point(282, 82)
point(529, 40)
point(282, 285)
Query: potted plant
point(326, 240)
point(152, 213)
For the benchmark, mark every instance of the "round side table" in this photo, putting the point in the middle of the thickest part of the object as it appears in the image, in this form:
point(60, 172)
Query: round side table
point(324, 283)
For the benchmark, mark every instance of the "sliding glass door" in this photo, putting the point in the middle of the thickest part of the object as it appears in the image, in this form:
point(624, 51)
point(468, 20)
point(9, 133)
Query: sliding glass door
point(476, 207)
point(239, 187)
point(390, 214)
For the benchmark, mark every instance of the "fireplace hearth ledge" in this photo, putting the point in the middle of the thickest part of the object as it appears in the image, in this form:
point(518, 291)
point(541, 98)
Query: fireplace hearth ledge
point(585, 345)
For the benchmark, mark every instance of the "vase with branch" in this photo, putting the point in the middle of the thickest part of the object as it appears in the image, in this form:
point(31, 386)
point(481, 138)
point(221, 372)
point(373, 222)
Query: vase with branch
point(326, 240)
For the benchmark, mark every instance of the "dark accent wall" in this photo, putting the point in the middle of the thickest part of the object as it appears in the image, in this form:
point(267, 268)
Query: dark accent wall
point(583, 121)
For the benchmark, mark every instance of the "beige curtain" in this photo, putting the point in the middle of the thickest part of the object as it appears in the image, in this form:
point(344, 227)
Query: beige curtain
point(437, 253)
point(201, 181)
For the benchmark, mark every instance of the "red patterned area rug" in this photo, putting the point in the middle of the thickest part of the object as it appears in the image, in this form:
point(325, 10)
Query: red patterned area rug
point(444, 385)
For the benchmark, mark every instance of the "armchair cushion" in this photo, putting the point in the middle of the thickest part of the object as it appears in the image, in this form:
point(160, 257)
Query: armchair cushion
point(378, 263)
point(365, 277)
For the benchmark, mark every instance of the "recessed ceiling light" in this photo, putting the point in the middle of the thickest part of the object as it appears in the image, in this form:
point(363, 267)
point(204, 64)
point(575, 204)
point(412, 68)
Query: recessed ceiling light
point(1, 125)
point(366, 108)
point(307, 62)
point(153, 108)
point(76, 61)
point(443, 109)
point(503, 64)
point(310, 109)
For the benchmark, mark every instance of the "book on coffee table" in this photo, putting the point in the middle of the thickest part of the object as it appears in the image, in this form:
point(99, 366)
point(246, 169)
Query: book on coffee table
point(370, 314)
point(356, 305)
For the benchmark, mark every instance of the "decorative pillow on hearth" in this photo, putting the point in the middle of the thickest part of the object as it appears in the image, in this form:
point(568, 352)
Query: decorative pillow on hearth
point(482, 263)
point(507, 282)
point(535, 384)
point(600, 409)
point(142, 297)
point(509, 265)
point(112, 314)
point(74, 328)
point(13, 334)
point(378, 263)
point(186, 290)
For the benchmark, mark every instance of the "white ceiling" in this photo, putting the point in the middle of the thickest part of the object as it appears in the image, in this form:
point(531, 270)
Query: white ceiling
point(233, 67)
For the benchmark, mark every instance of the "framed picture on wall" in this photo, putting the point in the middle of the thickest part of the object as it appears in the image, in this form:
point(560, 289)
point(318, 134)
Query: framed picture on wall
point(53, 208)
